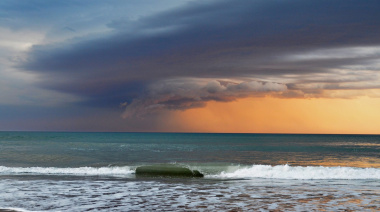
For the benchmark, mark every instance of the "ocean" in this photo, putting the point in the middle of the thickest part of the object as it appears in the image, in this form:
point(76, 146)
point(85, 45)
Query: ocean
point(62, 171)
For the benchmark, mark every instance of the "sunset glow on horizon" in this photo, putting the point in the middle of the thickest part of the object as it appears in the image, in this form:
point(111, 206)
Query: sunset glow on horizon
point(275, 115)
point(190, 66)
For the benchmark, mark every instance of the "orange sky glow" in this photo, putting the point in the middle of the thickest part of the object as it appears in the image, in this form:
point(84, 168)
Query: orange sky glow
point(209, 66)
point(279, 115)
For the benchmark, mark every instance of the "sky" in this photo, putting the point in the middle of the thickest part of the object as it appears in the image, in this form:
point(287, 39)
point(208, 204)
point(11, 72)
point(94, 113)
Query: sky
point(248, 66)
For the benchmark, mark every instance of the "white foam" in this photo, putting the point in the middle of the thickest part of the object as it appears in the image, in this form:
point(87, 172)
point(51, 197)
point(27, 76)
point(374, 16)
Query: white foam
point(66, 171)
point(255, 171)
point(15, 209)
point(299, 172)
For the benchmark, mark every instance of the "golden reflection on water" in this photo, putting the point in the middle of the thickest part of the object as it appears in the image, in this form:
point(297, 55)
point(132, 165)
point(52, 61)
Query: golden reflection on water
point(353, 144)
point(312, 159)
point(329, 161)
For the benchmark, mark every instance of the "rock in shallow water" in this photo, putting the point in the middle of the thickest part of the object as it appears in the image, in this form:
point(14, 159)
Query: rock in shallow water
point(167, 170)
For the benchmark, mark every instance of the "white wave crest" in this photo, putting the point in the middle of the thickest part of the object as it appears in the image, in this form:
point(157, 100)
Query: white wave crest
point(66, 171)
point(299, 172)
point(14, 209)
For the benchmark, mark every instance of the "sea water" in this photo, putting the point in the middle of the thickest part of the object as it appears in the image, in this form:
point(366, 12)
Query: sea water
point(49, 171)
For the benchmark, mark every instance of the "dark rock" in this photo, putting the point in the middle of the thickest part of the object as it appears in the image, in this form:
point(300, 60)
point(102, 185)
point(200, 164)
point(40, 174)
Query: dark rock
point(167, 170)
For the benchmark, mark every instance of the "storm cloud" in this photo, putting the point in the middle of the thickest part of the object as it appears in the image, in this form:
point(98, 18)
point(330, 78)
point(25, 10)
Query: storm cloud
point(217, 51)
point(182, 94)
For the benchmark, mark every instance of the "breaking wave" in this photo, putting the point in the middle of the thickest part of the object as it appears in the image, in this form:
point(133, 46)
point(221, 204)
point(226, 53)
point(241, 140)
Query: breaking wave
point(299, 172)
point(237, 172)
point(124, 171)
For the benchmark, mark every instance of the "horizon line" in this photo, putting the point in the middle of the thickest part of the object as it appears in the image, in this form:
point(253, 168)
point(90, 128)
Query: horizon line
point(152, 132)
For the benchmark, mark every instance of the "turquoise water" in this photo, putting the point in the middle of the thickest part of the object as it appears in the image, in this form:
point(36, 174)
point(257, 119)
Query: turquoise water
point(50, 171)
point(98, 149)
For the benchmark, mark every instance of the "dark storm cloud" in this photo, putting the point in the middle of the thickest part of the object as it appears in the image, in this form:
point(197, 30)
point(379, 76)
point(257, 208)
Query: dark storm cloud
point(182, 94)
point(218, 39)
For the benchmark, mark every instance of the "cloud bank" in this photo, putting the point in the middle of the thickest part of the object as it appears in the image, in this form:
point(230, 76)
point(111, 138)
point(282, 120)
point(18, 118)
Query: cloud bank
point(174, 59)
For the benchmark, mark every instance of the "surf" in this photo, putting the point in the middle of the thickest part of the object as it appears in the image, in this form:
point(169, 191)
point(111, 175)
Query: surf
point(300, 172)
point(80, 171)
point(209, 172)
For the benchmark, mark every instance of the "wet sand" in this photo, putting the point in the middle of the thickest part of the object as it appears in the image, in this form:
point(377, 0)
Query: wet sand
point(191, 195)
